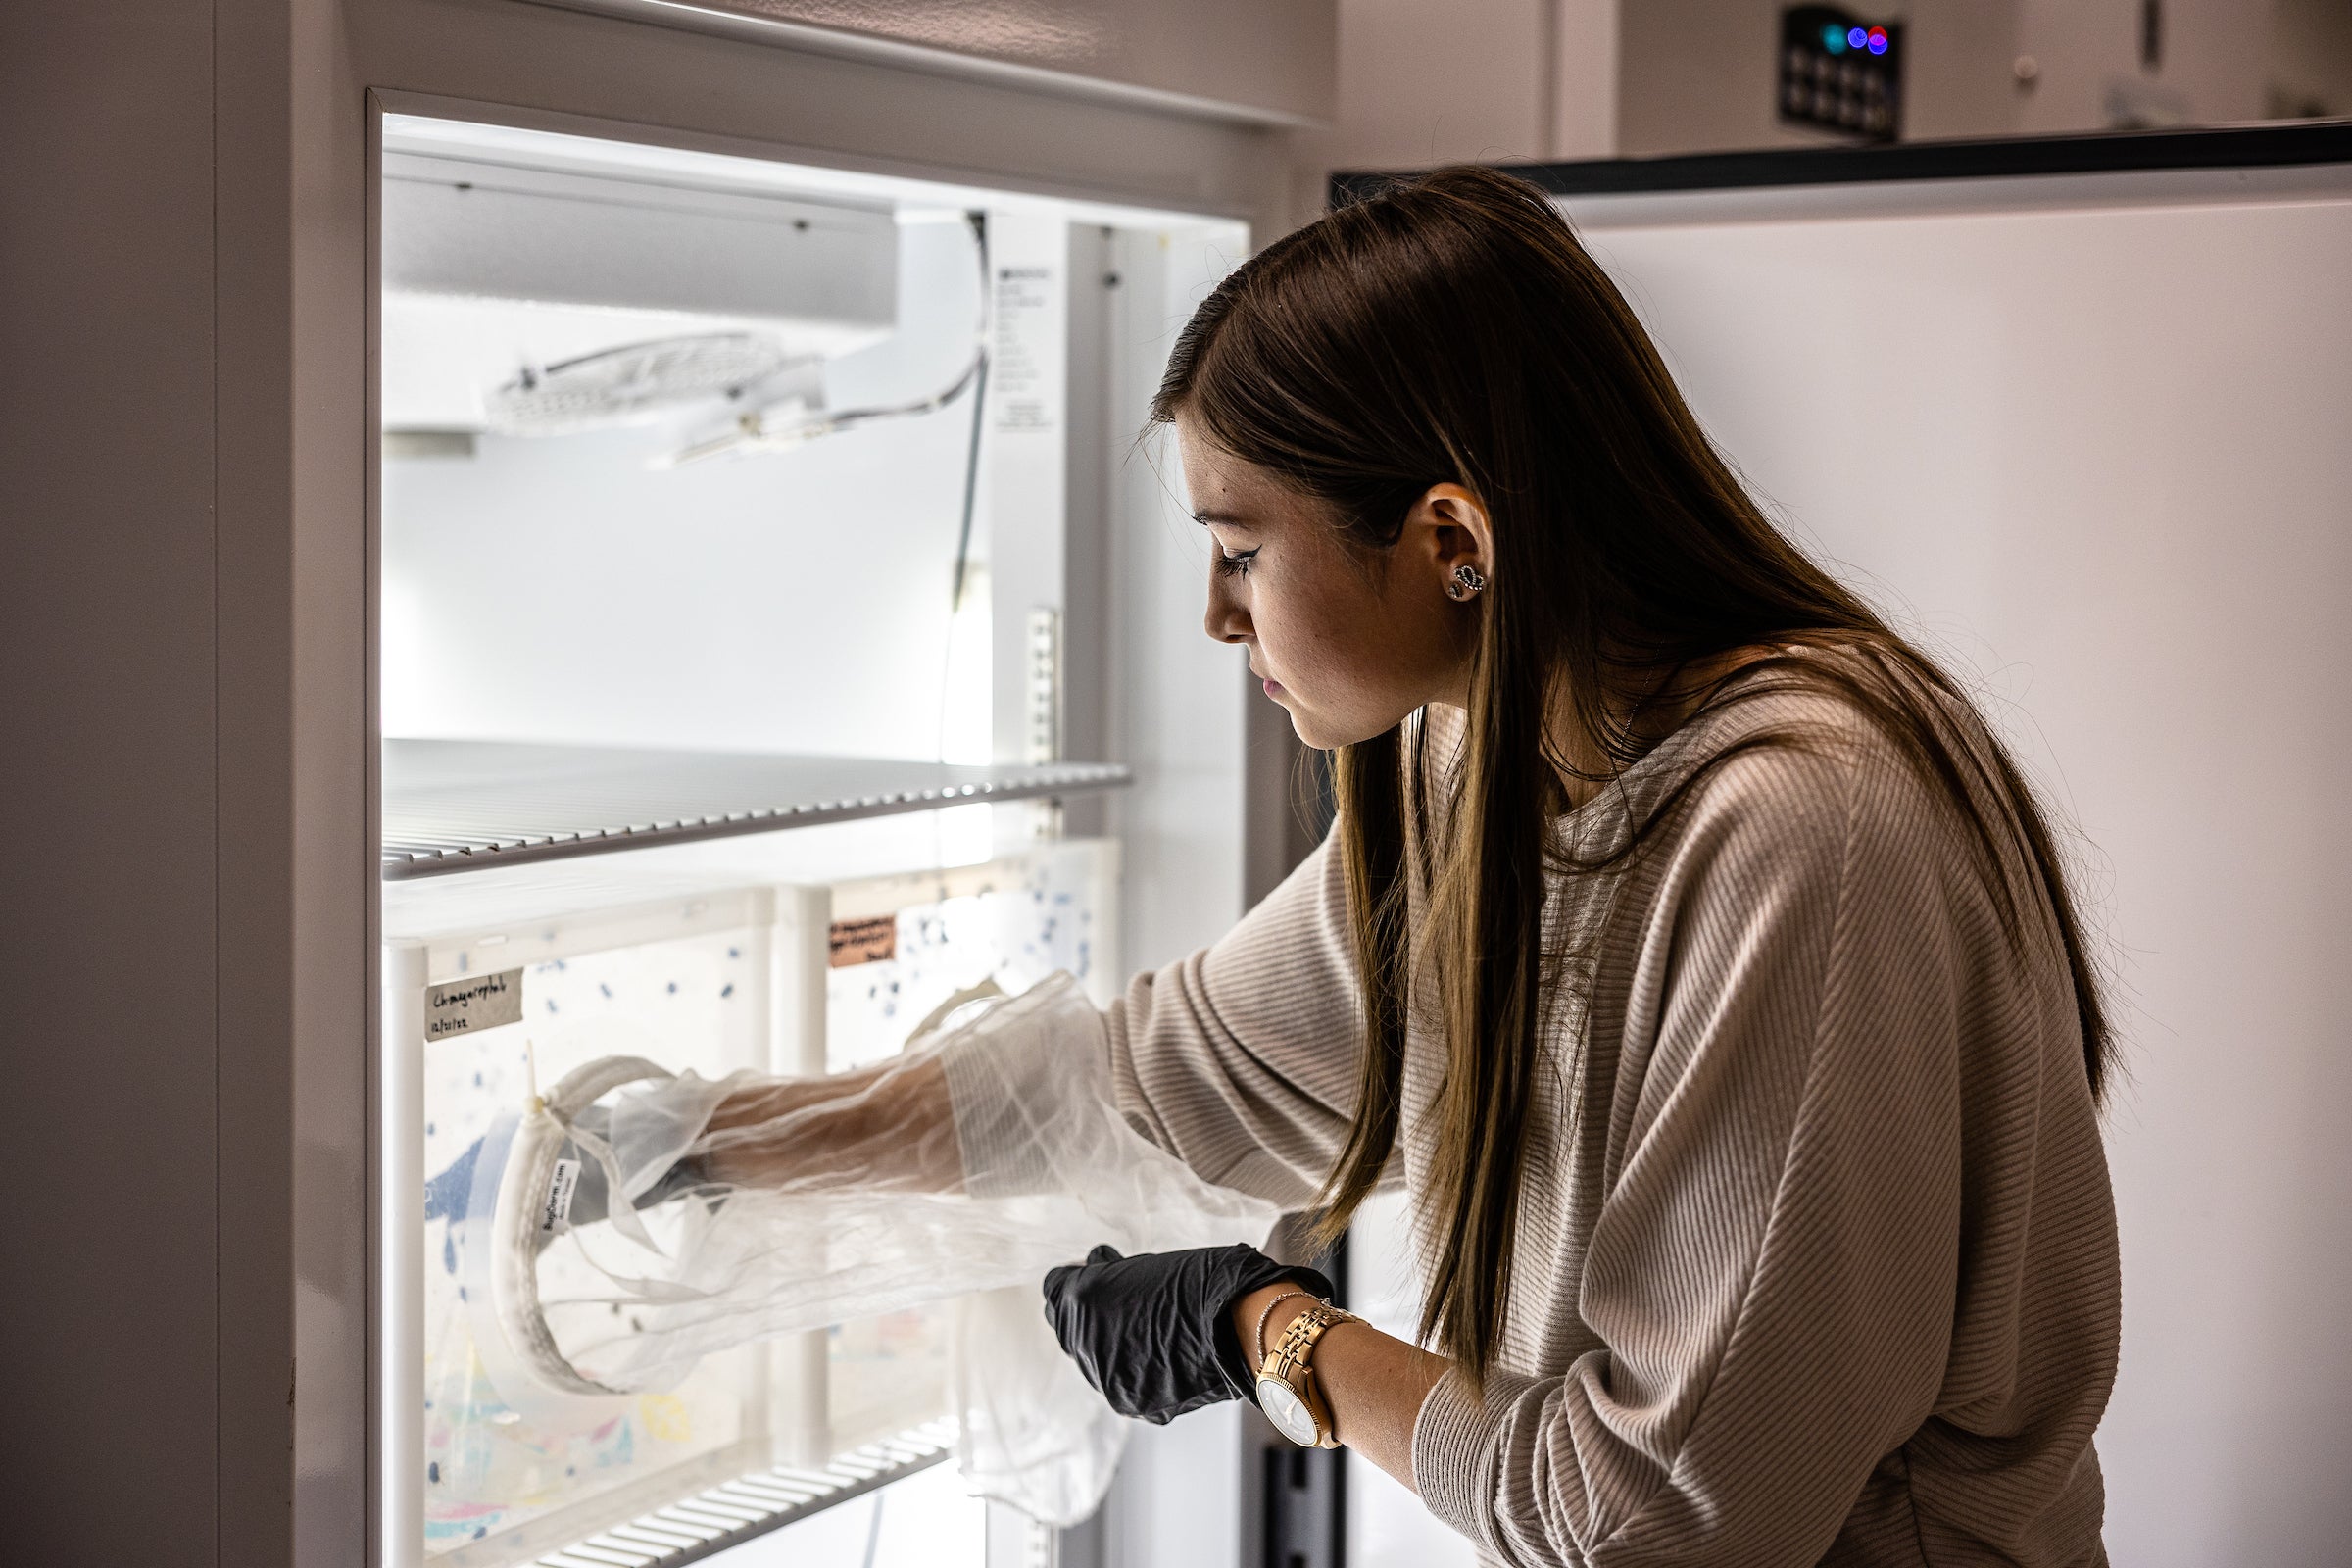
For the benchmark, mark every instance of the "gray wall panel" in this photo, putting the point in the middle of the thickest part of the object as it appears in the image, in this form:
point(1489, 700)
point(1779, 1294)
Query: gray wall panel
point(106, 779)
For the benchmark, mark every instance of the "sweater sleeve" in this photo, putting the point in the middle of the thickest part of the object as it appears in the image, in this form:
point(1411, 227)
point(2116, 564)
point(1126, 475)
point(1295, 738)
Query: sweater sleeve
point(1772, 1270)
point(1242, 1059)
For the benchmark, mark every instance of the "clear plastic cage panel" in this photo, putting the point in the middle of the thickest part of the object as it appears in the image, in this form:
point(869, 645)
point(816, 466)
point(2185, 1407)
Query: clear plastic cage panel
point(499, 1452)
point(900, 947)
point(773, 979)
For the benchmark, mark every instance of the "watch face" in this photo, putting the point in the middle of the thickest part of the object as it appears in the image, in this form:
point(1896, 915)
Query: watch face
point(1288, 1412)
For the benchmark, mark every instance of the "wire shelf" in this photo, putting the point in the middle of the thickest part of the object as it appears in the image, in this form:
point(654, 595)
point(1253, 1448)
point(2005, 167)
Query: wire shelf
point(464, 806)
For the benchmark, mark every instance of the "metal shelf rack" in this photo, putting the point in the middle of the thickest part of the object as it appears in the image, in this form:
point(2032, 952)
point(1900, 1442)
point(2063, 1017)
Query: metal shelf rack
point(464, 806)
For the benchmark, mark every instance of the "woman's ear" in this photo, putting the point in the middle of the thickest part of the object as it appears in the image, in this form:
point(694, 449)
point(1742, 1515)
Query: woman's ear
point(1449, 542)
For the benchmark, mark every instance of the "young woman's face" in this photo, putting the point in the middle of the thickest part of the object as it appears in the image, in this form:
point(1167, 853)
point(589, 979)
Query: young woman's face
point(1348, 642)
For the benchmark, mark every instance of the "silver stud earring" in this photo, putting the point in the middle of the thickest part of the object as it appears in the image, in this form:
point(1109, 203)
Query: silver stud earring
point(1466, 581)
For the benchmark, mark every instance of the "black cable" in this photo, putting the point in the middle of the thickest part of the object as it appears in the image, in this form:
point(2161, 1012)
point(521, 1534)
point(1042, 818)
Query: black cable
point(971, 464)
point(749, 432)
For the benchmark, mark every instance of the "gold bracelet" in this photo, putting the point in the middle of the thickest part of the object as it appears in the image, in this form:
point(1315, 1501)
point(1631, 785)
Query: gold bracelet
point(1268, 1313)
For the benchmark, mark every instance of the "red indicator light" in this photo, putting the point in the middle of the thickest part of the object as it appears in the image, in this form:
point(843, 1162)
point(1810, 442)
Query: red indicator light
point(1878, 40)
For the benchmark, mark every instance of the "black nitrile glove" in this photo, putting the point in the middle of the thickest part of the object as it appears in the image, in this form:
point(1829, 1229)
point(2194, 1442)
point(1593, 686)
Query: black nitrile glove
point(1154, 1332)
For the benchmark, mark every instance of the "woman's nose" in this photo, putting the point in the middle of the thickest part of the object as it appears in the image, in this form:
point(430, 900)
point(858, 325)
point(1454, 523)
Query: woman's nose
point(1228, 620)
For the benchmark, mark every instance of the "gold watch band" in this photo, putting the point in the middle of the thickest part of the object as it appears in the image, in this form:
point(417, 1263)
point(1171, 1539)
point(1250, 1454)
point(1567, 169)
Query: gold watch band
point(1292, 1360)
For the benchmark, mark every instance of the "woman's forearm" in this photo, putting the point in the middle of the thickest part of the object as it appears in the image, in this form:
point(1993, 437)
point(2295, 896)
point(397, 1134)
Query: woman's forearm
point(885, 1128)
point(1374, 1383)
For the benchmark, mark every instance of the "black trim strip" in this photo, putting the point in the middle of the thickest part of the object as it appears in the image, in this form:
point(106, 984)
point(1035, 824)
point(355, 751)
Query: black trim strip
point(2302, 142)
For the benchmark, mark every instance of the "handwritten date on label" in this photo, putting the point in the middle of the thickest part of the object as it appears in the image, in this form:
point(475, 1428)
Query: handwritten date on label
point(477, 1001)
point(868, 941)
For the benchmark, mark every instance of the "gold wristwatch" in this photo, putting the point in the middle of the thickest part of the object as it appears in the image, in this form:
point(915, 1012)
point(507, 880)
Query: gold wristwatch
point(1286, 1383)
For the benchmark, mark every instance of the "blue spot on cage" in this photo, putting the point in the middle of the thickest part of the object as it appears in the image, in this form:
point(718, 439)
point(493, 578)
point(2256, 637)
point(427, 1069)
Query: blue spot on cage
point(551, 1005)
point(604, 990)
point(449, 1252)
point(479, 1531)
point(673, 988)
point(477, 1080)
point(432, 1472)
point(727, 990)
point(734, 952)
point(428, 1129)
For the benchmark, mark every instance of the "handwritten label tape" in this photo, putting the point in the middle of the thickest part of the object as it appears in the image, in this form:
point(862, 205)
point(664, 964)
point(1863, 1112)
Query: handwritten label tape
point(868, 940)
point(479, 1001)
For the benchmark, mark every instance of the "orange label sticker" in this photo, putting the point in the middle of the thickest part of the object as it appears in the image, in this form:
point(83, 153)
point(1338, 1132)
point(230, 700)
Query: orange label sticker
point(868, 940)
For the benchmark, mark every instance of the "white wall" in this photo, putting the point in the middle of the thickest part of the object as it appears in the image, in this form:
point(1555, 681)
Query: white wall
point(2097, 454)
point(1477, 80)
point(2311, 58)
point(2211, 65)
point(1698, 76)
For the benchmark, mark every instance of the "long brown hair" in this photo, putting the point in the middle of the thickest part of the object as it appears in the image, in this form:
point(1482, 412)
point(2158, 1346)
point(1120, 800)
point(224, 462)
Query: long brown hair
point(1450, 330)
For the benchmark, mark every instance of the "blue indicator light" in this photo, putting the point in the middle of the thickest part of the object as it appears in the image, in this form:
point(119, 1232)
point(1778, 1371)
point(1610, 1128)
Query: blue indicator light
point(1878, 40)
point(1832, 38)
point(1856, 38)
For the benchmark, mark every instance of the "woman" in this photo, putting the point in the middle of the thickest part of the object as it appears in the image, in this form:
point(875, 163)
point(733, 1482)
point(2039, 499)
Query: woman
point(1686, 949)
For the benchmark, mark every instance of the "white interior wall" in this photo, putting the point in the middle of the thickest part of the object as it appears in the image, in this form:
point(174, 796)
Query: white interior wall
point(1177, 696)
point(564, 589)
point(2097, 456)
point(1027, 457)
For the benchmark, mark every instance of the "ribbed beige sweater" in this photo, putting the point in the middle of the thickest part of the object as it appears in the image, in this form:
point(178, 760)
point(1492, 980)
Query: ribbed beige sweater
point(1816, 1255)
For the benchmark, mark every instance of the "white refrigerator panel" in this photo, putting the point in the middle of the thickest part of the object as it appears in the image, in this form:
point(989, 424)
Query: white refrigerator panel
point(2099, 454)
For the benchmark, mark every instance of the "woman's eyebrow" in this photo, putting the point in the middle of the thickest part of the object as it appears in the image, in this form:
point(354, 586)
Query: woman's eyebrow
point(1223, 520)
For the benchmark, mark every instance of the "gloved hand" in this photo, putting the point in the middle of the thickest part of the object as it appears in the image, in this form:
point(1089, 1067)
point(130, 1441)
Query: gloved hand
point(1154, 1332)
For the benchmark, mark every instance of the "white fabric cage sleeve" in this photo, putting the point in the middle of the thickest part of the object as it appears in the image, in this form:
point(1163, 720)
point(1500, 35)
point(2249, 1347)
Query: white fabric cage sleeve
point(844, 1220)
point(1242, 1058)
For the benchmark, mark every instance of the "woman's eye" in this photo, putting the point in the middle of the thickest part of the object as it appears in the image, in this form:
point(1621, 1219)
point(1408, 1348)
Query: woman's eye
point(1235, 563)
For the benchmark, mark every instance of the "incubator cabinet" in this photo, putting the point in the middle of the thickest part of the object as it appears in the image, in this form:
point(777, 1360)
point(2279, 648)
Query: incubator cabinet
point(783, 646)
